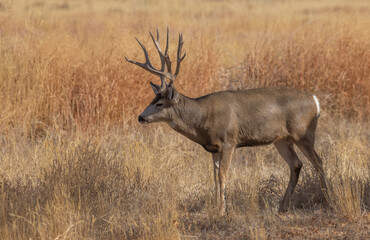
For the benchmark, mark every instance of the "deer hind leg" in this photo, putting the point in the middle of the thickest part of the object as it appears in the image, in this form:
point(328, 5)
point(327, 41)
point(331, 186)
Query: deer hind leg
point(286, 150)
point(216, 167)
point(225, 159)
point(306, 145)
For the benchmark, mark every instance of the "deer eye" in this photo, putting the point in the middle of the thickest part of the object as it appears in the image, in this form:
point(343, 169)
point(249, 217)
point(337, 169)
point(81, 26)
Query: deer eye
point(159, 105)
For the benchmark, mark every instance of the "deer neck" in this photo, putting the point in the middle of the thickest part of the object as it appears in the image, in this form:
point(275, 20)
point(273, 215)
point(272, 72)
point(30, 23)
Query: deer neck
point(187, 119)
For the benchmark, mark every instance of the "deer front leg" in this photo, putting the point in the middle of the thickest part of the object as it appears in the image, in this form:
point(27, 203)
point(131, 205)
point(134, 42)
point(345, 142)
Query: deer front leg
point(226, 155)
point(216, 168)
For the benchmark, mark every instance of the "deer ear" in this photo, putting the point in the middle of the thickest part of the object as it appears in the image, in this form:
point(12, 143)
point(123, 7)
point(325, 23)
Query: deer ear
point(173, 95)
point(156, 88)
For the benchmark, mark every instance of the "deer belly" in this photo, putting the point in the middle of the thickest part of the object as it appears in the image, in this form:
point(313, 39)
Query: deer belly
point(250, 142)
point(253, 143)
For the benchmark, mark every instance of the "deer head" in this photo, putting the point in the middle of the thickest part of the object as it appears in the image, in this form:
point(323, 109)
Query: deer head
point(166, 96)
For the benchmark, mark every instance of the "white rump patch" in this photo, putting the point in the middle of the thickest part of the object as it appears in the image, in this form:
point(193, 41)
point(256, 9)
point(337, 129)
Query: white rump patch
point(317, 104)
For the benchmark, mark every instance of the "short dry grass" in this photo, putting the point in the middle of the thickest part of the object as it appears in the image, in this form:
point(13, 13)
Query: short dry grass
point(74, 164)
point(159, 185)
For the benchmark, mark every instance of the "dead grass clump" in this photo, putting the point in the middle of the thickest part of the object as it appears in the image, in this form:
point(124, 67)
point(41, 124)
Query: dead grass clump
point(308, 194)
point(348, 196)
point(348, 168)
point(270, 192)
point(366, 200)
point(107, 199)
point(19, 201)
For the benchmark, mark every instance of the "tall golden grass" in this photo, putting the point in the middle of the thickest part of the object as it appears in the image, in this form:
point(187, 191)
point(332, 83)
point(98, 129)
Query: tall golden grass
point(74, 163)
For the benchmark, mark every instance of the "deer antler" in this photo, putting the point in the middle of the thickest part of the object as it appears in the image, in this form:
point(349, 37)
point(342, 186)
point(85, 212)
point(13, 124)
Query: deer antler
point(179, 58)
point(165, 71)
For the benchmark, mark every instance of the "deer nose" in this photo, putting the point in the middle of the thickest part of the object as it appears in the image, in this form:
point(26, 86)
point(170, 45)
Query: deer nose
point(141, 119)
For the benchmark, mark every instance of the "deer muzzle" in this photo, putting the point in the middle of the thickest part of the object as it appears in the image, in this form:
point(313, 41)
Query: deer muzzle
point(144, 120)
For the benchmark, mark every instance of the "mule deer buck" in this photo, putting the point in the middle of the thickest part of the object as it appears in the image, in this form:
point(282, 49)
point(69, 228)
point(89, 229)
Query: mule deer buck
point(223, 121)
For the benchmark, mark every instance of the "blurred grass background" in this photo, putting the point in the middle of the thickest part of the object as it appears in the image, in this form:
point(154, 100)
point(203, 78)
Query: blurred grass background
point(75, 164)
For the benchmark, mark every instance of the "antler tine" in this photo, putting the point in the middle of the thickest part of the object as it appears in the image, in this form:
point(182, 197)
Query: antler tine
point(179, 58)
point(147, 61)
point(165, 52)
point(162, 57)
point(167, 58)
point(158, 47)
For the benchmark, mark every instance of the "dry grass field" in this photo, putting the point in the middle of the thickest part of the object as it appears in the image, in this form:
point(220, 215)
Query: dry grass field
point(75, 164)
